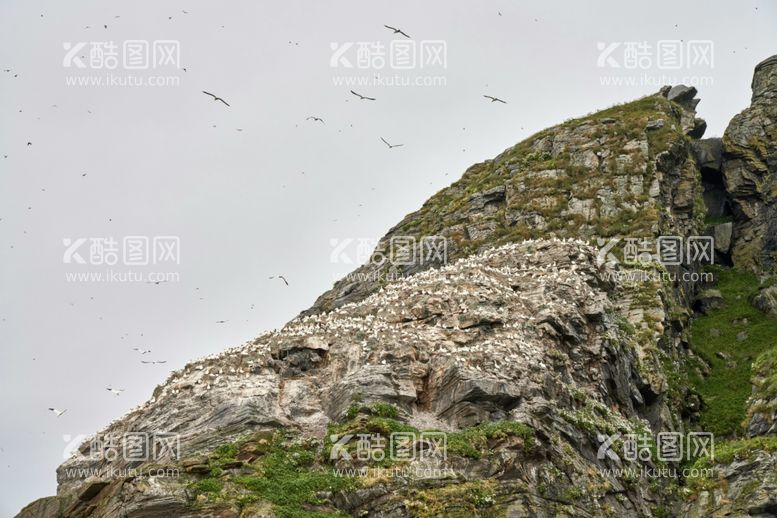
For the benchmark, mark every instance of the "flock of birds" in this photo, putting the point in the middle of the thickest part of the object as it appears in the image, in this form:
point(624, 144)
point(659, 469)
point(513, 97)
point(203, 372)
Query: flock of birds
point(314, 118)
point(361, 97)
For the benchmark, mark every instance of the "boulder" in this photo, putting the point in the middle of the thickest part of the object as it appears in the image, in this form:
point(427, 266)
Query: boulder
point(708, 153)
point(722, 235)
point(655, 124)
point(766, 300)
point(708, 300)
point(681, 93)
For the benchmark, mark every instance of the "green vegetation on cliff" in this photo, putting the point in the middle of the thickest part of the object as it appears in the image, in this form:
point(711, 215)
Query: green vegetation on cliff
point(609, 180)
point(729, 339)
point(704, 476)
point(287, 472)
point(296, 478)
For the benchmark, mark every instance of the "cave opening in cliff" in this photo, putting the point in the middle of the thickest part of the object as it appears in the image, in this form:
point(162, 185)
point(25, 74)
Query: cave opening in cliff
point(716, 197)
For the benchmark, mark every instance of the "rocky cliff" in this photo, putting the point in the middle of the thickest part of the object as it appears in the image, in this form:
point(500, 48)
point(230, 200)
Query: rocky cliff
point(749, 165)
point(504, 369)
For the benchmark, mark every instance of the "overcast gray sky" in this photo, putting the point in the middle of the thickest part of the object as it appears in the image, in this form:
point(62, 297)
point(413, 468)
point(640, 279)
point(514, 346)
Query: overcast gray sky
point(284, 195)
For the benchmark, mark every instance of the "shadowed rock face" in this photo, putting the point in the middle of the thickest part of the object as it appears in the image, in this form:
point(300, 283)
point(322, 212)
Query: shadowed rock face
point(750, 173)
point(526, 346)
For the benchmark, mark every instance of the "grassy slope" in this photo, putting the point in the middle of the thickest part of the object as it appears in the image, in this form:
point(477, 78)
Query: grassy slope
point(727, 387)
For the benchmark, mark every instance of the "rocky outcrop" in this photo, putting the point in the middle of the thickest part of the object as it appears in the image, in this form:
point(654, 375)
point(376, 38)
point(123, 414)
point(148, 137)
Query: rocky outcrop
point(615, 173)
point(750, 173)
point(745, 486)
point(530, 333)
point(766, 300)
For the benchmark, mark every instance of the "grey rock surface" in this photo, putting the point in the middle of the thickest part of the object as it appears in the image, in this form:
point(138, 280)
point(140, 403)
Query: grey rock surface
point(766, 300)
point(750, 173)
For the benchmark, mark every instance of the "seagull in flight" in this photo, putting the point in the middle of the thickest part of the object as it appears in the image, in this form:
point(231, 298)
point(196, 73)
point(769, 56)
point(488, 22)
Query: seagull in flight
point(390, 146)
point(153, 362)
point(141, 351)
point(316, 119)
point(155, 282)
point(115, 392)
point(222, 321)
point(396, 31)
point(363, 97)
point(280, 277)
point(58, 412)
point(495, 99)
point(215, 97)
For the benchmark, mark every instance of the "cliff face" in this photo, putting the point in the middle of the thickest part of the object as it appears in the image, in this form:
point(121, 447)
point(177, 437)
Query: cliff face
point(529, 343)
point(624, 171)
point(750, 173)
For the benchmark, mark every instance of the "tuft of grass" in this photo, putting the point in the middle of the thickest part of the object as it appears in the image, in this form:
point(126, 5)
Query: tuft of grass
point(384, 410)
point(474, 442)
point(379, 409)
point(289, 476)
point(711, 221)
point(207, 485)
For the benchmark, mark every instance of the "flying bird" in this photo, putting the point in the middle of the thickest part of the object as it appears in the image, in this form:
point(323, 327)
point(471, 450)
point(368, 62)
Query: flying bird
point(390, 146)
point(363, 97)
point(141, 351)
point(495, 99)
point(58, 412)
point(396, 31)
point(153, 362)
point(315, 119)
point(215, 97)
point(155, 282)
point(222, 321)
point(280, 277)
point(115, 392)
